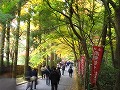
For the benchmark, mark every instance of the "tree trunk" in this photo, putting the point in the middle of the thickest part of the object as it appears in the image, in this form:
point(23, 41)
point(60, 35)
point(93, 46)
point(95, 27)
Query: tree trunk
point(111, 44)
point(117, 51)
point(2, 48)
point(116, 59)
point(103, 36)
point(52, 59)
point(55, 58)
point(47, 60)
point(117, 87)
point(16, 42)
point(8, 43)
point(27, 45)
point(73, 49)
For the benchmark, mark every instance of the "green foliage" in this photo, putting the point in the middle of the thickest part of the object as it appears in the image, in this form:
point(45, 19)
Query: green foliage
point(4, 17)
point(7, 10)
point(9, 6)
point(35, 38)
point(36, 57)
point(36, 60)
point(45, 18)
point(107, 76)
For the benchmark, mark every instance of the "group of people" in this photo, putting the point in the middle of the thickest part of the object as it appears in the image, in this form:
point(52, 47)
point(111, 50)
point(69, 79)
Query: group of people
point(52, 75)
point(31, 76)
point(70, 70)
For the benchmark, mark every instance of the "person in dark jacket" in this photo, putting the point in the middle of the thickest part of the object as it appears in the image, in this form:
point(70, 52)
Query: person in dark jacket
point(54, 77)
point(43, 71)
point(28, 75)
point(34, 78)
point(58, 70)
point(70, 70)
point(47, 73)
point(63, 69)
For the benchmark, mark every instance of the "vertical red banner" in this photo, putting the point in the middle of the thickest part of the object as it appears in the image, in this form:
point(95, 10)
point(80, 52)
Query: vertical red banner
point(82, 65)
point(96, 62)
point(79, 67)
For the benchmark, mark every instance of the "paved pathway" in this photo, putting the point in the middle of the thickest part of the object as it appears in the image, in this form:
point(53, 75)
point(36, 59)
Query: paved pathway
point(66, 83)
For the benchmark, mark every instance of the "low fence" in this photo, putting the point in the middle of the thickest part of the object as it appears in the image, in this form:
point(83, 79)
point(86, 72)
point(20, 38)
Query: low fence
point(19, 71)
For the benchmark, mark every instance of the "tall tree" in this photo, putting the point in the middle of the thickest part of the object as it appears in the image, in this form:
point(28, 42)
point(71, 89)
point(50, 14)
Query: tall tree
point(2, 47)
point(6, 14)
point(116, 7)
point(11, 11)
point(17, 39)
point(8, 43)
point(27, 44)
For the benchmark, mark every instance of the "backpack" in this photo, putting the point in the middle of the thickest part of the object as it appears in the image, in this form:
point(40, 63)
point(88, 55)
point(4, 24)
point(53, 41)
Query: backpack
point(70, 70)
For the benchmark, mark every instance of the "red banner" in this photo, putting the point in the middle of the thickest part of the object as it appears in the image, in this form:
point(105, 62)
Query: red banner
point(78, 66)
point(81, 65)
point(96, 62)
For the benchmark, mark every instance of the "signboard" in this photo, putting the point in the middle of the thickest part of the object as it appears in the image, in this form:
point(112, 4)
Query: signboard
point(96, 62)
point(78, 66)
point(81, 65)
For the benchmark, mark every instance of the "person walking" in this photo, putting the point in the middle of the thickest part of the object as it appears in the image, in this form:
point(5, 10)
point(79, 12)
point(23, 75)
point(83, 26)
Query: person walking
point(58, 70)
point(54, 77)
point(34, 78)
point(43, 71)
point(47, 73)
point(28, 76)
point(63, 69)
point(70, 70)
